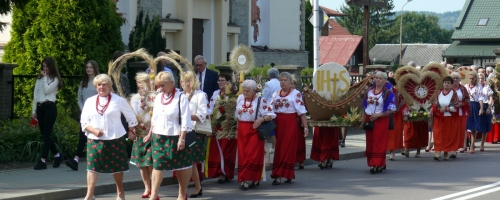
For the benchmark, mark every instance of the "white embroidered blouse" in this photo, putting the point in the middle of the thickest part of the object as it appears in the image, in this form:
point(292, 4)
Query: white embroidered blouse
point(135, 103)
point(165, 118)
point(375, 103)
point(486, 93)
point(110, 122)
point(292, 103)
point(474, 92)
point(245, 111)
point(444, 101)
point(198, 106)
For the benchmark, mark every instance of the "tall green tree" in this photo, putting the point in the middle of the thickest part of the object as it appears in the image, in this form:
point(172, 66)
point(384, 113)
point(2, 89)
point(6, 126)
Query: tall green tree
point(72, 32)
point(309, 37)
point(420, 28)
point(147, 35)
point(380, 21)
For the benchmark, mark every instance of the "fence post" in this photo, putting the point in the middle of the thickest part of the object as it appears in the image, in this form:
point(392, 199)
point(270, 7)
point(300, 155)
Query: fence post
point(6, 90)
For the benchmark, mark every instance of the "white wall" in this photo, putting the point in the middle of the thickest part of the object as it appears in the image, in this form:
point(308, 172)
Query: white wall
point(203, 9)
point(284, 32)
point(129, 10)
point(264, 24)
point(169, 6)
point(5, 35)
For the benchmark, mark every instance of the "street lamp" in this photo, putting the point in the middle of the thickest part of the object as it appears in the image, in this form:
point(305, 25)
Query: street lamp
point(401, 35)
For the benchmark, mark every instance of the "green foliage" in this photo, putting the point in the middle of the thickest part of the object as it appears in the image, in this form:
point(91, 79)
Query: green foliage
point(147, 35)
point(6, 8)
point(212, 67)
point(420, 28)
point(260, 71)
point(308, 71)
point(21, 142)
point(72, 32)
point(380, 22)
point(446, 20)
point(309, 36)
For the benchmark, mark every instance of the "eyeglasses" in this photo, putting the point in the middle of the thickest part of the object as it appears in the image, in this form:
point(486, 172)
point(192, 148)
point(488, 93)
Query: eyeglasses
point(199, 65)
point(218, 81)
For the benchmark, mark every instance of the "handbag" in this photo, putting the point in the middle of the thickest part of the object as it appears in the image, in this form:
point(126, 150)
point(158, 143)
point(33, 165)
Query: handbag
point(391, 122)
point(368, 125)
point(191, 137)
point(266, 127)
point(204, 128)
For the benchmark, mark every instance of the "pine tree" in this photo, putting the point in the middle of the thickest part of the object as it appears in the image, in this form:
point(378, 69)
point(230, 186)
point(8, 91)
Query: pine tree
point(309, 35)
point(147, 35)
point(71, 32)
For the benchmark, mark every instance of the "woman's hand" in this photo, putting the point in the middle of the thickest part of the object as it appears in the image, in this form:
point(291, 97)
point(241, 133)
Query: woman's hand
point(257, 123)
point(181, 144)
point(488, 111)
point(443, 109)
point(147, 137)
point(306, 132)
point(480, 111)
point(42, 73)
point(374, 117)
point(98, 132)
point(405, 118)
point(131, 134)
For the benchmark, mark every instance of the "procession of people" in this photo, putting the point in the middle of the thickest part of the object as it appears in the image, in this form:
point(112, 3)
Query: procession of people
point(162, 129)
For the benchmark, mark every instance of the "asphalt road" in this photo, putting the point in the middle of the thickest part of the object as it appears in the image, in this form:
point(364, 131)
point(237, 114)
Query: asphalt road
point(469, 176)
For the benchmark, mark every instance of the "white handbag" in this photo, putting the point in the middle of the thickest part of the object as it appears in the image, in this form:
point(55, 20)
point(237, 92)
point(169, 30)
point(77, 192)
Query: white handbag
point(204, 128)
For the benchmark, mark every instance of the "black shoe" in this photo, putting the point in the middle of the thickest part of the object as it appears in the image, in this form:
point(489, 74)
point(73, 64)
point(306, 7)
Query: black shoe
point(72, 164)
point(329, 164)
point(57, 162)
point(254, 185)
point(288, 181)
point(40, 165)
point(197, 195)
point(372, 170)
point(453, 156)
point(321, 165)
point(342, 144)
point(276, 182)
point(301, 165)
point(244, 186)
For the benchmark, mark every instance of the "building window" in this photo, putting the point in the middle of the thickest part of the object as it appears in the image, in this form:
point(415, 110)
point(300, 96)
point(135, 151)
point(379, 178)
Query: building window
point(483, 21)
point(352, 61)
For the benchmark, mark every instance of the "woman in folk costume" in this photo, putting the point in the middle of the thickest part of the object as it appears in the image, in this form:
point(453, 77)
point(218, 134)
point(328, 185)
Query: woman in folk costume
point(463, 111)
point(221, 153)
point(170, 123)
point(378, 104)
point(301, 140)
point(325, 146)
point(444, 110)
point(141, 149)
point(287, 104)
point(494, 134)
point(485, 112)
point(395, 136)
point(198, 106)
point(101, 121)
point(250, 146)
point(473, 121)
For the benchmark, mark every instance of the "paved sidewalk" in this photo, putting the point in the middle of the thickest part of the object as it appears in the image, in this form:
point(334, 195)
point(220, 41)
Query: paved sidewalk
point(64, 183)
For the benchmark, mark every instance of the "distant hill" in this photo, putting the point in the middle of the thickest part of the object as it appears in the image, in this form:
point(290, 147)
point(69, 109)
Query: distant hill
point(446, 20)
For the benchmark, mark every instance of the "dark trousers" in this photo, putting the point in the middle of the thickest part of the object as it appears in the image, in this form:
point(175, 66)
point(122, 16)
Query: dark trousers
point(82, 143)
point(46, 114)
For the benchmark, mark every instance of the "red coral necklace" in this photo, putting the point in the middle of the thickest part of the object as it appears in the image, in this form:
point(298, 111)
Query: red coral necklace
point(168, 100)
point(245, 102)
point(101, 111)
point(289, 90)
point(444, 94)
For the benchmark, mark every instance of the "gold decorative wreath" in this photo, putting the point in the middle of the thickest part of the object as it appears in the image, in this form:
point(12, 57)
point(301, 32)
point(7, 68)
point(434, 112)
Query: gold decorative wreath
point(436, 68)
point(403, 71)
point(238, 53)
point(114, 68)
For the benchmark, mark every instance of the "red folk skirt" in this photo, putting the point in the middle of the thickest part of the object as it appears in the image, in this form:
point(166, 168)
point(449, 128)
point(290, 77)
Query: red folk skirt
point(376, 142)
point(493, 135)
point(250, 153)
point(446, 137)
point(220, 152)
point(416, 134)
point(301, 145)
point(325, 144)
point(395, 136)
point(286, 145)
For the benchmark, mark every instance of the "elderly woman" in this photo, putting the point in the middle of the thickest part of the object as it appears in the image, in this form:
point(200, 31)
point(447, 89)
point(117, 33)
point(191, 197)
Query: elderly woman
point(250, 146)
point(221, 153)
point(485, 111)
point(493, 135)
point(463, 111)
point(170, 123)
point(446, 138)
point(101, 122)
point(198, 109)
point(475, 91)
point(141, 149)
point(287, 104)
point(378, 103)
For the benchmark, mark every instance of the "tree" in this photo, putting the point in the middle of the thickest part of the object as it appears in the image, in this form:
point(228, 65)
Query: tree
point(147, 35)
point(420, 28)
point(6, 8)
point(380, 22)
point(309, 38)
point(72, 32)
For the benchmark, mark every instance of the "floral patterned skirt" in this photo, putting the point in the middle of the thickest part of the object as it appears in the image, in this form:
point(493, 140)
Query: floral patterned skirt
point(166, 156)
point(141, 153)
point(199, 148)
point(107, 156)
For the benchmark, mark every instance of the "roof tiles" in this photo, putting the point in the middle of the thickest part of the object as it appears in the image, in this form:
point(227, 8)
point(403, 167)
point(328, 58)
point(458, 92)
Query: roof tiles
point(338, 48)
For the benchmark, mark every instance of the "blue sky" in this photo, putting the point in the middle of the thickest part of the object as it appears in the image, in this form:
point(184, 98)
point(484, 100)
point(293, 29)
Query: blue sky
point(439, 6)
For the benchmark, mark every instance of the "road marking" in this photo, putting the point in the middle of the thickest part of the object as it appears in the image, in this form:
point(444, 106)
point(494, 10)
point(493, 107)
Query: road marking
point(467, 191)
point(478, 194)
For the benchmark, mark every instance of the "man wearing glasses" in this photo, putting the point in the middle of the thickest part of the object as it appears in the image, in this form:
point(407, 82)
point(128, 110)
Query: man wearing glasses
point(208, 78)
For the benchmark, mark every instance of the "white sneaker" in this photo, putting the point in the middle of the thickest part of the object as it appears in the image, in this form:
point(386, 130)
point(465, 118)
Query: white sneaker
point(271, 150)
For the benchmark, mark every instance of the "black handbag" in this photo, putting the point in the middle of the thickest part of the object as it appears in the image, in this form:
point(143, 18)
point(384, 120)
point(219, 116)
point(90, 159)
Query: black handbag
point(391, 122)
point(191, 137)
point(266, 127)
point(368, 125)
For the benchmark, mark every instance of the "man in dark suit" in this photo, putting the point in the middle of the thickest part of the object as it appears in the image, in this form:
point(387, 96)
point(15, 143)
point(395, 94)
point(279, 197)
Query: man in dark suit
point(208, 78)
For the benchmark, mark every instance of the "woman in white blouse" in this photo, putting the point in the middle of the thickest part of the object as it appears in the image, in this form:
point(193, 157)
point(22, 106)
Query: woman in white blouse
point(476, 108)
point(485, 111)
point(198, 104)
point(85, 90)
point(170, 122)
point(288, 104)
point(250, 146)
point(378, 104)
point(44, 107)
point(106, 149)
point(141, 150)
